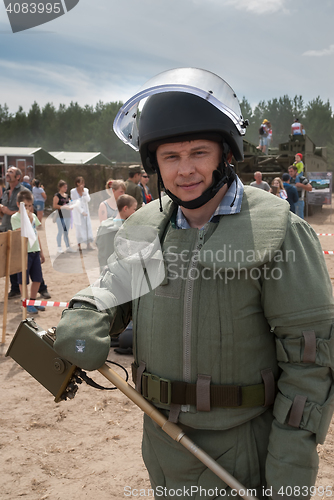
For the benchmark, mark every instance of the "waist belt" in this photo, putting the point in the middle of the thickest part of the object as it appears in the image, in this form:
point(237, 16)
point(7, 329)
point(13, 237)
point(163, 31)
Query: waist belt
point(163, 391)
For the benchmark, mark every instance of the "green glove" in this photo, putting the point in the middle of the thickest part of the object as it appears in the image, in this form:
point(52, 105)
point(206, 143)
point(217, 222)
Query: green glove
point(82, 336)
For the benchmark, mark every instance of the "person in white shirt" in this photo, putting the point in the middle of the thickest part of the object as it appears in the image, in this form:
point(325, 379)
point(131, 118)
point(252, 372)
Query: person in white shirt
point(81, 216)
point(297, 128)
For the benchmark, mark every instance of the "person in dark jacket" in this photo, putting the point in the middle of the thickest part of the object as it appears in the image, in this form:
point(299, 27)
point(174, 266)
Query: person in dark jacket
point(291, 191)
point(132, 184)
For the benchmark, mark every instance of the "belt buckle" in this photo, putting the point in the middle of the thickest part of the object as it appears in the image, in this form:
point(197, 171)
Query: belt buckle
point(155, 389)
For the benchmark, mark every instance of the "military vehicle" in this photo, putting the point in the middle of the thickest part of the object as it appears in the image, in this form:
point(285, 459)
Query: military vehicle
point(278, 160)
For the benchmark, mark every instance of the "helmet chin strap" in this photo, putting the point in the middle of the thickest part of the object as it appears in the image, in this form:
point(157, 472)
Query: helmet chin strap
point(224, 174)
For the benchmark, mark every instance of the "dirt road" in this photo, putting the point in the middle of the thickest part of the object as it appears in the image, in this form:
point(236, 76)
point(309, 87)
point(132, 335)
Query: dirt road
point(89, 447)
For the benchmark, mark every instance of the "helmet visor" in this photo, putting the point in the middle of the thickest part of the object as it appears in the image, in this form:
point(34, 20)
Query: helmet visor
point(195, 81)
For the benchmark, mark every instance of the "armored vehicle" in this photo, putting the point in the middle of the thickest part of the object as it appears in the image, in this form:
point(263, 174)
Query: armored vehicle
point(279, 159)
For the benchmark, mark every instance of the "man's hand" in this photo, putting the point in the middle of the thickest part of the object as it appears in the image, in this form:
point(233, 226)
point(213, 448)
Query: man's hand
point(306, 187)
point(5, 210)
point(82, 336)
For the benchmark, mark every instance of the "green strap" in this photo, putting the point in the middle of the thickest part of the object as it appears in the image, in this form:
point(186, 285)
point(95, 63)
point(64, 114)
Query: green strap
point(163, 391)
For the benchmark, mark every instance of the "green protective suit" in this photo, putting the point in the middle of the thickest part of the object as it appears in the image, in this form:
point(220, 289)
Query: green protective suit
point(242, 297)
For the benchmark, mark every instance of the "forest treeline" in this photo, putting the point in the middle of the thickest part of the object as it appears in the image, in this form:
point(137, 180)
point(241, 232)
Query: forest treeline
point(89, 128)
point(71, 128)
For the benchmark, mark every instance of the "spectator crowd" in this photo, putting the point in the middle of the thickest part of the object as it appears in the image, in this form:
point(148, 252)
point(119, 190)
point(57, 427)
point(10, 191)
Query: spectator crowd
point(291, 187)
point(71, 210)
point(122, 199)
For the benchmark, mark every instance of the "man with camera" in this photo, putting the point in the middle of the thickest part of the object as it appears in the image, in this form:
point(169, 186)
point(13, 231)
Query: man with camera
point(302, 184)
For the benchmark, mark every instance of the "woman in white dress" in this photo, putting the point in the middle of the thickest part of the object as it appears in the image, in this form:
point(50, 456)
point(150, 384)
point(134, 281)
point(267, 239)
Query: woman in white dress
point(81, 217)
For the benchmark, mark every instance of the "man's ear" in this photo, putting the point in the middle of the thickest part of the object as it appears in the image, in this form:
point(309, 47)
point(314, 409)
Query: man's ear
point(229, 156)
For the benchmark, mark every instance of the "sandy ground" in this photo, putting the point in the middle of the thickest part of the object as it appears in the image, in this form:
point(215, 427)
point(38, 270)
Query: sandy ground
point(89, 447)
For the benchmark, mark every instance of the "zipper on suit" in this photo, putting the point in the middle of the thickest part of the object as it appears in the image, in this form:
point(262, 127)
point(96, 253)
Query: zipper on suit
point(187, 315)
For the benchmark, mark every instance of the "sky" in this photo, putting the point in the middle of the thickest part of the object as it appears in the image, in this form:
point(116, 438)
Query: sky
point(107, 49)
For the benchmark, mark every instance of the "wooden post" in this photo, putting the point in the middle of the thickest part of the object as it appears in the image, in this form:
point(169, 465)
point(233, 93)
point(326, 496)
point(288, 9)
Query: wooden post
point(5, 302)
point(24, 254)
point(174, 431)
point(82, 259)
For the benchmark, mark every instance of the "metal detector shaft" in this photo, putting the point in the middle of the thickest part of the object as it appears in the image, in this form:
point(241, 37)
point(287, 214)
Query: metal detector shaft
point(174, 431)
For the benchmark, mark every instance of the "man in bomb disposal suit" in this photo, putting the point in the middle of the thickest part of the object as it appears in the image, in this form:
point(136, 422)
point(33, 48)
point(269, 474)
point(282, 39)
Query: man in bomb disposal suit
point(239, 332)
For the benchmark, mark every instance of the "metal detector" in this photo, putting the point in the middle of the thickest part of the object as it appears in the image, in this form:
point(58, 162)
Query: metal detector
point(32, 349)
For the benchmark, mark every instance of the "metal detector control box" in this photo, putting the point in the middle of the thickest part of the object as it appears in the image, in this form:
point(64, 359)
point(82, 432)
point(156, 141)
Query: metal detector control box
point(32, 348)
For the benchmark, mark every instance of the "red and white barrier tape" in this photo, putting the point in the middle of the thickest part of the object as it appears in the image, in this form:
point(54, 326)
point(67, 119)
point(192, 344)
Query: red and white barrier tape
point(47, 303)
point(325, 234)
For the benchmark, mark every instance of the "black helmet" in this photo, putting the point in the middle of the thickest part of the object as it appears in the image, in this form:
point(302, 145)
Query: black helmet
point(184, 104)
point(179, 116)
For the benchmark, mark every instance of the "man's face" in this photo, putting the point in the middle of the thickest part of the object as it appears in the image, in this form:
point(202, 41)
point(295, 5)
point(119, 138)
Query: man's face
point(186, 167)
point(11, 174)
point(136, 178)
point(258, 177)
point(292, 172)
